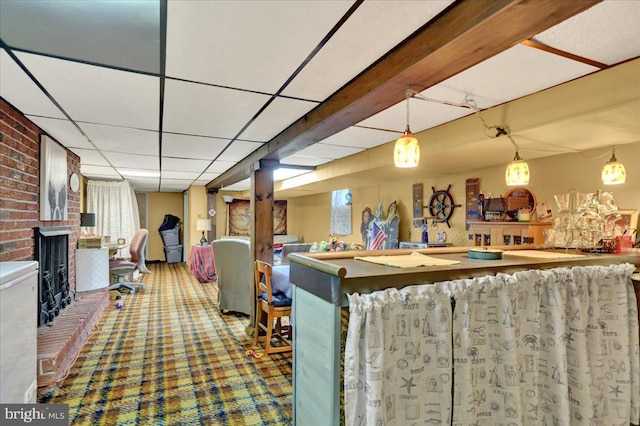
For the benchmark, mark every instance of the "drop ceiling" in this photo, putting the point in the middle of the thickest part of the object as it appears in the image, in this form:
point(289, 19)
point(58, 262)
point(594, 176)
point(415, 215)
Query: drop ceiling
point(183, 91)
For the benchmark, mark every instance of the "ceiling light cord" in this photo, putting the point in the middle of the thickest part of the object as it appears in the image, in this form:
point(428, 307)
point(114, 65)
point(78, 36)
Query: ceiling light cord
point(604, 154)
point(408, 94)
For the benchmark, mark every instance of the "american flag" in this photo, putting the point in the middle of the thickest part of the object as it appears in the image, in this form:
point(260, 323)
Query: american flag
point(379, 238)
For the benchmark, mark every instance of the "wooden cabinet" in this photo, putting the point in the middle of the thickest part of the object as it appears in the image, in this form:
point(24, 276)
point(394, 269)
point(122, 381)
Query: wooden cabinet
point(506, 233)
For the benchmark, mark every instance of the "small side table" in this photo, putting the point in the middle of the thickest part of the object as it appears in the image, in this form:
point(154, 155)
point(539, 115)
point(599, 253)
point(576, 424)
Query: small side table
point(92, 269)
point(201, 263)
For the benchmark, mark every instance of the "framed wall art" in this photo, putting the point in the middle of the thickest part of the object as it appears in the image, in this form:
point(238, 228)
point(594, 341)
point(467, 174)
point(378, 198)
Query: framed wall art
point(628, 224)
point(53, 180)
point(240, 217)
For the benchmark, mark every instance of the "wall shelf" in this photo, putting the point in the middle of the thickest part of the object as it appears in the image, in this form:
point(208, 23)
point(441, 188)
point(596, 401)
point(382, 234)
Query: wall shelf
point(484, 233)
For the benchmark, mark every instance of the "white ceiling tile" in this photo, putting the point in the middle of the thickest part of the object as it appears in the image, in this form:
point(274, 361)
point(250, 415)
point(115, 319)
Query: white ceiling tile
point(141, 187)
point(133, 161)
point(238, 150)
point(18, 89)
point(145, 184)
point(90, 171)
point(63, 131)
point(220, 166)
point(253, 45)
point(243, 185)
point(181, 164)
point(206, 178)
point(422, 114)
point(360, 137)
point(284, 173)
point(358, 43)
point(514, 73)
point(299, 160)
point(608, 32)
point(168, 174)
point(144, 181)
point(187, 146)
point(120, 33)
point(277, 116)
point(165, 187)
point(328, 151)
point(199, 109)
point(90, 157)
point(181, 184)
point(98, 95)
point(122, 139)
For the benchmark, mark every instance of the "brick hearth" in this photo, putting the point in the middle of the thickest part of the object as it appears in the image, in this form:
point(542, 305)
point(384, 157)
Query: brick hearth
point(59, 345)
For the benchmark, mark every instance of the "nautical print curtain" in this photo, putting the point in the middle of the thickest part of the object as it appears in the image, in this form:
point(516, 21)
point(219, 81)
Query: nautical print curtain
point(398, 360)
point(537, 347)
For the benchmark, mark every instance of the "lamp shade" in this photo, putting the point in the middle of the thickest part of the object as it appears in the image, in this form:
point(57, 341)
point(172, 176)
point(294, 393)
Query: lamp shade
point(203, 225)
point(613, 173)
point(407, 150)
point(227, 198)
point(517, 173)
point(87, 219)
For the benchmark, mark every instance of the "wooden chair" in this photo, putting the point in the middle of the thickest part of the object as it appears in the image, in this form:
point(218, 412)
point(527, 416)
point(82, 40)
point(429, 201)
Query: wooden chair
point(270, 308)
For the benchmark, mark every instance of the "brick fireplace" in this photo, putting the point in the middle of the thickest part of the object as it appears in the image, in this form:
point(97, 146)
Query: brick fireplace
point(59, 340)
point(52, 254)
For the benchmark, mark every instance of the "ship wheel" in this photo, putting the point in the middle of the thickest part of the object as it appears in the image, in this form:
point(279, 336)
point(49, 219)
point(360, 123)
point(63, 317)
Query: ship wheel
point(441, 206)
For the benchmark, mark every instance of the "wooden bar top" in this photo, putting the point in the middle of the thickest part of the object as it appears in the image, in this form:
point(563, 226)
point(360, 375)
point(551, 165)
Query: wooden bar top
point(331, 276)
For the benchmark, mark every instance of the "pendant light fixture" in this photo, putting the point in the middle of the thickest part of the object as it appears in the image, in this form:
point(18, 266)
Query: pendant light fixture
point(517, 172)
point(406, 153)
point(613, 173)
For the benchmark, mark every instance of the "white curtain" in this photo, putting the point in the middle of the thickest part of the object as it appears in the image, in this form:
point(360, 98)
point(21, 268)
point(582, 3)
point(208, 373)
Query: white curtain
point(537, 347)
point(398, 367)
point(116, 209)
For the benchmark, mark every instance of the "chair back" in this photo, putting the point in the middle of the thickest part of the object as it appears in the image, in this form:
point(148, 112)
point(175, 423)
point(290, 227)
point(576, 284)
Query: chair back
point(137, 247)
point(262, 276)
point(234, 272)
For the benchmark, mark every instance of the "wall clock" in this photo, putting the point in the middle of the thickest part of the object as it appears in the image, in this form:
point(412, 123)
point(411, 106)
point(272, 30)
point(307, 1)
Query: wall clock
point(74, 182)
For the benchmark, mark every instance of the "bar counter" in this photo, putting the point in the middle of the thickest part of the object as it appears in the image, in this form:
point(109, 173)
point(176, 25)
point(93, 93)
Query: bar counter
point(322, 280)
point(331, 275)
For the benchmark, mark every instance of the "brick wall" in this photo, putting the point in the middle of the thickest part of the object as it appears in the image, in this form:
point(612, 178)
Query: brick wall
point(20, 189)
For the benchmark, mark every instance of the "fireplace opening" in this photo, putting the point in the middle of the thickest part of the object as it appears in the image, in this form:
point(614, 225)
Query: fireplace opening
point(52, 253)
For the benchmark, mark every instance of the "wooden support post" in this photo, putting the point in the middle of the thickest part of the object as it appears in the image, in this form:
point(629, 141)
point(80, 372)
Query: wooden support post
point(262, 221)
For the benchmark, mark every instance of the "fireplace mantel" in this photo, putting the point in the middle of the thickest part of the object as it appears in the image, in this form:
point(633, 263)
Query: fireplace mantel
point(52, 231)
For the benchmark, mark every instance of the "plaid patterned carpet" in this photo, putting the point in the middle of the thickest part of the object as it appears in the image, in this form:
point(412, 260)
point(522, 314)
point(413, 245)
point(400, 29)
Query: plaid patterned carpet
point(169, 358)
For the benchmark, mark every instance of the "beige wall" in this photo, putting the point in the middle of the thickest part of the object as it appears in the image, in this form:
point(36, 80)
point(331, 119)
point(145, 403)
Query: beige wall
point(197, 208)
point(160, 204)
point(549, 176)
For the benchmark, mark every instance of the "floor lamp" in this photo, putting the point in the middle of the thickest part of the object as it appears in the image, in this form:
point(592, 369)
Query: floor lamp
point(227, 199)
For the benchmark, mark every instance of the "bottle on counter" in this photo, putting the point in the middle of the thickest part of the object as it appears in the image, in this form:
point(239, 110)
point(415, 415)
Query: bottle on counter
point(481, 206)
point(425, 232)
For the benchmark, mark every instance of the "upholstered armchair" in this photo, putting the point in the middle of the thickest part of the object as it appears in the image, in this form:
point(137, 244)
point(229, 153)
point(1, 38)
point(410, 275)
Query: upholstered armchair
point(234, 270)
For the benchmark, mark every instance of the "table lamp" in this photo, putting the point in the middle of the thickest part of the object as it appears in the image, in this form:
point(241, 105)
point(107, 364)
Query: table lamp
point(203, 225)
point(87, 220)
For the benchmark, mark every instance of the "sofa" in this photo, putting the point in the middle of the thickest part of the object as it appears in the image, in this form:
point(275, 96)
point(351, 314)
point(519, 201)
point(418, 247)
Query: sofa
point(292, 248)
point(234, 270)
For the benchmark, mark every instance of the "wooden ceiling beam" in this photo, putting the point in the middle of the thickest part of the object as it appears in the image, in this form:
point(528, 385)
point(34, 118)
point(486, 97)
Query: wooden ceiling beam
point(465, 34)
